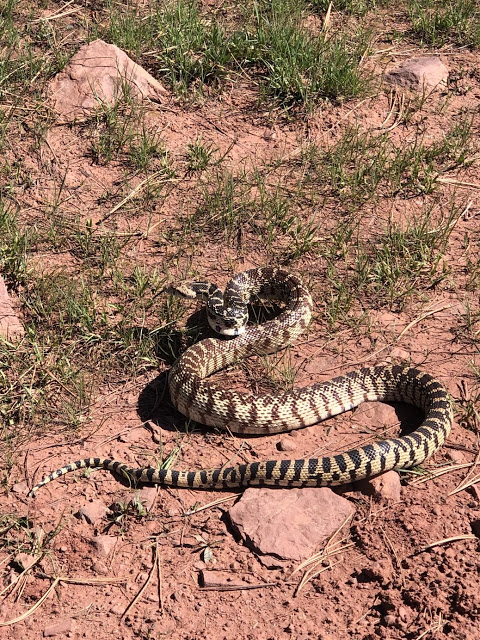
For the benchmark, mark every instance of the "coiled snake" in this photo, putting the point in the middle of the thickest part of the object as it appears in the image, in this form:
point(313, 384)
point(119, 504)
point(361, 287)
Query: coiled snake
point(207, 402)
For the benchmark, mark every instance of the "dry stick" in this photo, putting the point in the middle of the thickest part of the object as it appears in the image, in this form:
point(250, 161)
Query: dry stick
point(78, 580)
point(144, 586)
point(242, 587)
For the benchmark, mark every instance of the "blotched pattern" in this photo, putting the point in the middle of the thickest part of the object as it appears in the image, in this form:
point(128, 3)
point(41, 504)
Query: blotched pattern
point(208, 402)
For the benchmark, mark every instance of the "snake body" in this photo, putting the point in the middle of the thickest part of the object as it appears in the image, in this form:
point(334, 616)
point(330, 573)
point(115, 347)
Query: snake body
point(201, 399)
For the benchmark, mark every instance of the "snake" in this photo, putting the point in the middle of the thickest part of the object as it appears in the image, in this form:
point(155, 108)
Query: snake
point(205, 400)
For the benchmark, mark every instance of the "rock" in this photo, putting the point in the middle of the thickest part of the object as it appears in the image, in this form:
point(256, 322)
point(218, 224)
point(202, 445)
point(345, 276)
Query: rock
point(104, 545)
point(389, 620)
point(24, 560)
point(92, 511)
point(147, 496)
point(59, 628)
point(97, 73)
point(288, 524)
point(386, 486)
point(419, 73)
point(10, 326)
point(476, 528)
point(117, 610)
point(399, 354)
point(380, 571)
point(457, 456)
point(286, 444)
point(100, 568)
point(20, 488)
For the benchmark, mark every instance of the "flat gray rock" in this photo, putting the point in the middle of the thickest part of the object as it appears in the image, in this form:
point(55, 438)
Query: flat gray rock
point(288, 524)
point(96, 74)
point(417, 73)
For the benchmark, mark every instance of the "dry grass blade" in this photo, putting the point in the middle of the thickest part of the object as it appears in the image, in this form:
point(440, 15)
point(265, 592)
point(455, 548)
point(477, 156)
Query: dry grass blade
point(469, 479)
point(159, 578)
point(436, 473)
point(146, 182)
point(309, 575)
point(210, 505)
point(328, 18)
point(32, 610)
point(14, 585)
point(458, 183)
point(438, 543)
point(144, 586)
point(331, 549)
point(437, 626)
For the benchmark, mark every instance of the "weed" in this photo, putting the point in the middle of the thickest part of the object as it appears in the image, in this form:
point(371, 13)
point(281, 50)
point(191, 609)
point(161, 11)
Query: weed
point(199, 154)
point(15, 245)
point(438, 22)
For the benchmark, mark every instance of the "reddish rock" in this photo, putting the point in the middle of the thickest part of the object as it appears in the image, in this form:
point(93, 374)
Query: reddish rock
point(104, 545)
point(288, 524)
point(147, 496)
point(287, 444)
point(97, 73)
point(376, 414)
point(92, 511)
point(25, 560)
point(419, 73)
point(59, 628)
point(10, 325)
point(457, 456)
point(386, 486)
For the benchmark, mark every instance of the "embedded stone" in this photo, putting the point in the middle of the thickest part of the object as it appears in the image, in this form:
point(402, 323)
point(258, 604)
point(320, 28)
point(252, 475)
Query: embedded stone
point(419, 73)
point(288, 524)
point(100, 73)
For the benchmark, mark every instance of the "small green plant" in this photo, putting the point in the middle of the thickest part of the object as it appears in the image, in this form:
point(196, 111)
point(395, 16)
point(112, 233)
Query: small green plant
point(437, 22)
point(199, 154)
point(16, 243)
point(145, 147)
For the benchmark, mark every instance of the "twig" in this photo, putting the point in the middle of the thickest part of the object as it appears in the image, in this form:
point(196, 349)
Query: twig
point(143, 587)
point(132, 194)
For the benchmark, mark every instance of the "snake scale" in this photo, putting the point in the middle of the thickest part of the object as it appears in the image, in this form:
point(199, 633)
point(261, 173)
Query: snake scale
point(200, 398)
